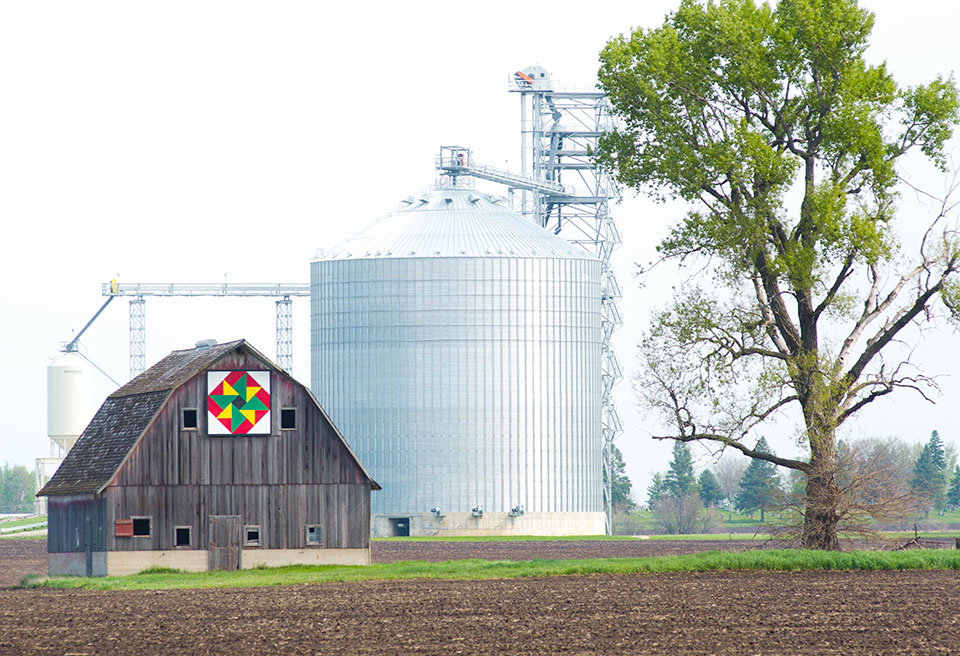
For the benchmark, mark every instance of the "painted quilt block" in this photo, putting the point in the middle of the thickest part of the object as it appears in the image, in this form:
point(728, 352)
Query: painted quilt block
point(238, 403)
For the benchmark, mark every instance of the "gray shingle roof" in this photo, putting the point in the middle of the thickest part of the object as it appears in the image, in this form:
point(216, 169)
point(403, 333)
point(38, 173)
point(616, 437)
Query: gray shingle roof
point(104, 444)
point(179, 367)
point(127, 413)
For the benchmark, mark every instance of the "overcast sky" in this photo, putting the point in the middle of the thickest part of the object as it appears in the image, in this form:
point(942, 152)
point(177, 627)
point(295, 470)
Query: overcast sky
point(212, 141)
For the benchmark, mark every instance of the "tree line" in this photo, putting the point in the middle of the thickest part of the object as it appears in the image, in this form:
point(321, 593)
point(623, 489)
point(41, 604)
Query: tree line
point(17, 489)
point(917, 479)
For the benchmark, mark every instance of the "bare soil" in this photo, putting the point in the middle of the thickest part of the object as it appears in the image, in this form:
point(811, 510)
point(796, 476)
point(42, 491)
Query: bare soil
point(708, 613)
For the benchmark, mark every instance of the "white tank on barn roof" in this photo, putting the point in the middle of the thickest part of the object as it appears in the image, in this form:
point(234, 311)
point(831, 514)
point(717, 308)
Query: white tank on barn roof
point(457, 345)
point(69, 398)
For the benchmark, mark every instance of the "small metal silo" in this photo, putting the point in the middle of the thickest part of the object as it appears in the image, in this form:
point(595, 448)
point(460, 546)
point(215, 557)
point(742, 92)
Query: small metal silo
point(457, 346)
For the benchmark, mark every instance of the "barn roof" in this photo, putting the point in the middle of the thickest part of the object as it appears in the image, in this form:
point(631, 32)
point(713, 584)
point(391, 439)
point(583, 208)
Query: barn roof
point(127, 413)
point(180, 366)
point(104, 444)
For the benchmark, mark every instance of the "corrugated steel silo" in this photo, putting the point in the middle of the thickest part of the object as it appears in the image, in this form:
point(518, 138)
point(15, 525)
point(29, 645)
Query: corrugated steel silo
point(456, 345)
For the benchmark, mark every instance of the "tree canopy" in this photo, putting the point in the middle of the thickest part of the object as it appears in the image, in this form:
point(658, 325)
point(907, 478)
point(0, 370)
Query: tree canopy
point(787, 145)
point(16, 489)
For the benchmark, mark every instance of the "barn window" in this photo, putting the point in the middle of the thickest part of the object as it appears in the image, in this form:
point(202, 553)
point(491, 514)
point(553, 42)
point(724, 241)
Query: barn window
point(251, 536)
point(314, 536)
point(181, 536)
point(190, 418)
point(141, 527)
point(288, 418)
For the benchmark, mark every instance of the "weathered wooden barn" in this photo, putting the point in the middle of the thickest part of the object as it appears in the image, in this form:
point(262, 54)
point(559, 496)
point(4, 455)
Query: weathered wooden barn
point(214, 458)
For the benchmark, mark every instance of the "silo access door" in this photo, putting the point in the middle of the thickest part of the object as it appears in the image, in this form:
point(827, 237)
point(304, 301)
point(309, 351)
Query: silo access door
point(224, 542)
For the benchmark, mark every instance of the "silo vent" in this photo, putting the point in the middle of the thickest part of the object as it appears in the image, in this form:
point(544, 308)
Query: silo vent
point(206, 343)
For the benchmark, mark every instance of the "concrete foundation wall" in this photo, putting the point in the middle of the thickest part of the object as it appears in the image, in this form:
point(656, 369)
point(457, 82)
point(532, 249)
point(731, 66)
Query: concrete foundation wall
point(251, 558)
point(465, 524)
point(75, 564)
point(123, 563)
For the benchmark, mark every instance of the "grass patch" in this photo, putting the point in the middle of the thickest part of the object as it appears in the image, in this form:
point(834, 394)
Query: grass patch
point(791, 560)
point(33, 519)
point(21, 536)
point(568, 538)
point(503, 538)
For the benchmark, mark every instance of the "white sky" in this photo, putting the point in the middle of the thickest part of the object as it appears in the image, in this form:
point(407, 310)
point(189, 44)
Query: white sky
point(210, 141)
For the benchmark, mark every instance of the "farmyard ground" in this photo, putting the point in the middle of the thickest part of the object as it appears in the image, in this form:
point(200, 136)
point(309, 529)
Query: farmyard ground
point(710, 613)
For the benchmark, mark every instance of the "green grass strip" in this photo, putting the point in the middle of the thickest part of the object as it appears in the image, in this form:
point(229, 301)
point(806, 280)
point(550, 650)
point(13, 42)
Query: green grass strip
point(571, 538)
point(791, 560)
point(504, 538)
point(26, 521)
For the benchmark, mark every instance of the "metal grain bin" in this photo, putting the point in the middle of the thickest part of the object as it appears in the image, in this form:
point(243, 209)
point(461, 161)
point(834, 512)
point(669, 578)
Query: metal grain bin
point(456, 345)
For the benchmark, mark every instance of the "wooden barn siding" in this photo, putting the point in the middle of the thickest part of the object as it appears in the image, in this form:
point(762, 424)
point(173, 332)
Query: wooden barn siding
point(68, 514)
point(281, 511)
point(280, 482)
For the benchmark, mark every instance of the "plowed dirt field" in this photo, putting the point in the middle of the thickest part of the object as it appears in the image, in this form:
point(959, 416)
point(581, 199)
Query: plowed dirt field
point(712, 613)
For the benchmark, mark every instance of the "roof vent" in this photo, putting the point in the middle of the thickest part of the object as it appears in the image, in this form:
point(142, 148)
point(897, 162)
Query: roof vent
point(205, 343)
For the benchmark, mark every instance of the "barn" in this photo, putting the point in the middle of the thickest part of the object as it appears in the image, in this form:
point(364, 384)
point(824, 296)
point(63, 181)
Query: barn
point(214, 458)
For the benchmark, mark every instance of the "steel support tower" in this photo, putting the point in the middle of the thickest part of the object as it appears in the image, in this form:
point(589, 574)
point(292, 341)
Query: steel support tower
point(138, 342)
point(138, 336)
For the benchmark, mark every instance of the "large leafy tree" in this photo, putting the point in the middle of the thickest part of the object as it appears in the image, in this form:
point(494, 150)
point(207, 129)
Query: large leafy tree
point(787, 145)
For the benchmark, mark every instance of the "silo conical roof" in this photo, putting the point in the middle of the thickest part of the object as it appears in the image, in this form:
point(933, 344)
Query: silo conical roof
point(453, 222)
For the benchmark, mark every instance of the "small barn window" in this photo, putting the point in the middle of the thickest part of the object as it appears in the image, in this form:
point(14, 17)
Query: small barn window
point(314, 536)
point(288, 418)
point(181, 536)
point(251, 536)
point(141, 527)
point(190, 418)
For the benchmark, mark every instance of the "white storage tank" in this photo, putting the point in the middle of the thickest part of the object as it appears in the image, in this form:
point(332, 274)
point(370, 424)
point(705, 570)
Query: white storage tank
point(457, 345)
point(69, 398)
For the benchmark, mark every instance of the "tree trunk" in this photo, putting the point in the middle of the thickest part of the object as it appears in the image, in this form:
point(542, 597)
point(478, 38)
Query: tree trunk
point(822, 503)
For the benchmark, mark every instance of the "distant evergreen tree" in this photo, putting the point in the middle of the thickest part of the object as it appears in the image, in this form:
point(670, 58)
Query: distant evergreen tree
point(620, 489)
point(930, 472)
point(655, 491)
point(710, 492)
point(759, 485)
point(953, 494)
point(680, 479)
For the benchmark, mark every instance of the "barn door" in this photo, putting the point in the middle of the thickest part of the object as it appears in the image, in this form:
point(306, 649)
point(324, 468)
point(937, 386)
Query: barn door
point(224, 542)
